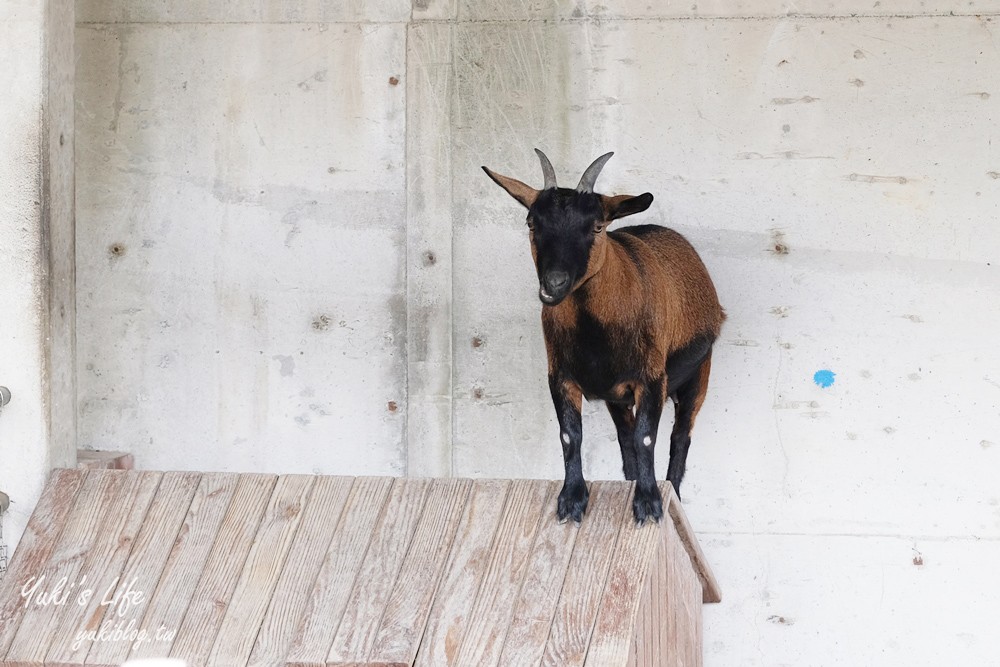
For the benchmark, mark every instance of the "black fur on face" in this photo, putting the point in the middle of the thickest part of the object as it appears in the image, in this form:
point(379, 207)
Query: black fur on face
point(564, 224)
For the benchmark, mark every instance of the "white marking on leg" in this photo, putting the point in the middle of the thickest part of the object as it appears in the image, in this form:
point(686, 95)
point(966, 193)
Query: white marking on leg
point(647, 441)
point(565, 438)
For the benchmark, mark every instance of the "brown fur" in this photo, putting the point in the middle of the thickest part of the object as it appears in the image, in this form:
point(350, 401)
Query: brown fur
point(573, 394)
point(666, 299)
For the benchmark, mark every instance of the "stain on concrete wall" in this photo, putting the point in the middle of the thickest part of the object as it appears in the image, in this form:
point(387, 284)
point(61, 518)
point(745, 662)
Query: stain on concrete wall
point(299, 289)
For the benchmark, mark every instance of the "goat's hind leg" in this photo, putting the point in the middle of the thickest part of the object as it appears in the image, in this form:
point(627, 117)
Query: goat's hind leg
point(621, 415)
point(647, 503)
point(689, 400)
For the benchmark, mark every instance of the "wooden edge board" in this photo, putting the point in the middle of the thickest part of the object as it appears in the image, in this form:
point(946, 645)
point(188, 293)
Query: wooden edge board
point(710, 587)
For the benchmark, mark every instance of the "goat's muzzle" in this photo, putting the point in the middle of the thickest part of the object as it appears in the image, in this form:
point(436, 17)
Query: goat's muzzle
point(553, 287)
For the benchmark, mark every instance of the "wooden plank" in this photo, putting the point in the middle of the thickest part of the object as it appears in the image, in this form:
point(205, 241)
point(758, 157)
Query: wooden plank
point(145, 564)
point(329, 597)
point(581, 595)
point(366, 606)
point(661, 618)
point(697, 620)
point(667, 581)
point(668, 631)
point(103, 566)
point(686, 595)
point(464, 573)
point(211, 597)
point(711, 591)
point(409, 604)
point(651, 643)
point(184, 565)
point(627, 579)
point(61, 575)
point(59, 498)
point(261, 572)
point(532, 620)
point(487, 623)
point(312, 541)
point(89, 459)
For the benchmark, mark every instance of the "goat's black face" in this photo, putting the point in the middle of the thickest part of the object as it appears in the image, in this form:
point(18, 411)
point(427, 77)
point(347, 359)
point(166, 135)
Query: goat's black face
point(567, 226)
point(564, 225)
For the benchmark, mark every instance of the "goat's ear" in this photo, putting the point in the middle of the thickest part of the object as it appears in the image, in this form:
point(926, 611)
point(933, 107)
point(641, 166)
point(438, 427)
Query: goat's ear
point(515, 188)
point(620, 206)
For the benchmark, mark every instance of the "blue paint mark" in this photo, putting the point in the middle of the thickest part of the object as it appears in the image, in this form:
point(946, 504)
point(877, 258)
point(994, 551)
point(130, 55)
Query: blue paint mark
point(824, 378)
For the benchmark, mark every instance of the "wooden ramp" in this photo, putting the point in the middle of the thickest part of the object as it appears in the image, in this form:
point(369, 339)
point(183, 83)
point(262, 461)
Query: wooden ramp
point(264, 570)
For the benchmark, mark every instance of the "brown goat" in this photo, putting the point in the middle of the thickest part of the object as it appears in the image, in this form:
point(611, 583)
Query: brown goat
point(629, 317)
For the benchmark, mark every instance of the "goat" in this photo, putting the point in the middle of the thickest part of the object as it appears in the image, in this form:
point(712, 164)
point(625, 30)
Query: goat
point(628, 316)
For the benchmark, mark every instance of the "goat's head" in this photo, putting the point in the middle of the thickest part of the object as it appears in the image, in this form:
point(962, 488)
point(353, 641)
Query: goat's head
point(567, 227)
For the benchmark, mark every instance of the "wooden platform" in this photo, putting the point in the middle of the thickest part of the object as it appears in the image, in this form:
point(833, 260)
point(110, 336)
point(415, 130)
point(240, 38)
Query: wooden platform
point(267, 570)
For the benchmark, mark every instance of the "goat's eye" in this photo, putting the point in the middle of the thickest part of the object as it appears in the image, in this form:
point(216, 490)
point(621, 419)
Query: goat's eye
point(531, 224)
point(598, 227)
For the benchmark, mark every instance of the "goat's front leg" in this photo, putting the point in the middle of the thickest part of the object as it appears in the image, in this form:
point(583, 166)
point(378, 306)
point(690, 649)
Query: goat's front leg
point(621, 415)
point(567, 398)
point(647, 503)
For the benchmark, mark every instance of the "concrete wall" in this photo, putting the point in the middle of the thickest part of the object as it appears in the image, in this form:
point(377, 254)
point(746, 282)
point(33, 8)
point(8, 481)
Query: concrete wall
point(37, 363)
point(290, 261)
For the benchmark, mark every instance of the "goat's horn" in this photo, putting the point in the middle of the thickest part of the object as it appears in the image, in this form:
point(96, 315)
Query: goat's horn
point(590, 176)
point(547, 171)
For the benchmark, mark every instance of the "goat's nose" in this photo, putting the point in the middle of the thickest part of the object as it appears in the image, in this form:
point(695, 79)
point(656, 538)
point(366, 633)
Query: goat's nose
point(556, 280)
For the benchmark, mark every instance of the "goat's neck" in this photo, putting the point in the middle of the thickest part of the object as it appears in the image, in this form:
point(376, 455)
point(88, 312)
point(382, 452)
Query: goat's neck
point(611, 286)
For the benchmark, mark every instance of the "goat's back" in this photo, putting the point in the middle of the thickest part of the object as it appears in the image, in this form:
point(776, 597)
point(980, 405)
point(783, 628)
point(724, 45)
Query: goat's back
point(674, 277)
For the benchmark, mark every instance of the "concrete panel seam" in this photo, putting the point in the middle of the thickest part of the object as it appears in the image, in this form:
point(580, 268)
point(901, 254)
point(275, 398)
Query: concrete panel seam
point(569, 19)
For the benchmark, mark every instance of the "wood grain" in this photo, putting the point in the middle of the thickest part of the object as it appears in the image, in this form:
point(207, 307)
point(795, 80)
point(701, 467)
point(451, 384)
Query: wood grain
point(532, 619)
point(330, 594)
point(409, 603)
point(669, 619)
point(40, 538)
point(103, 566)
point(586, 574)
point(185, 564)
point(145, 564)
point(653, 628)
point(686, 595)
point(64, 568)
point(261, 571)
point(627, 579)
point(486, 627)
point(212, 595)
point(465, 571)
point(312, 541)
point(377, 575)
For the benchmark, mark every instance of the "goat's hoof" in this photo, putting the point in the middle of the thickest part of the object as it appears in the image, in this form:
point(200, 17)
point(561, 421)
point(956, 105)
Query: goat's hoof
point(572, 503)
point(647, 505)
